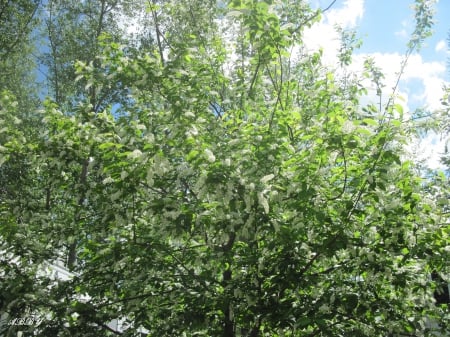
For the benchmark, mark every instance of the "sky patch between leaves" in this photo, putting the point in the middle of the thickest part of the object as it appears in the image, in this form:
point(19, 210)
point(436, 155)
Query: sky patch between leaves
point(385, 27)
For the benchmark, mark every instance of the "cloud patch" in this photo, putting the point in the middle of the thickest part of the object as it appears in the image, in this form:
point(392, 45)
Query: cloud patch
point(347, 16)
point(324, 35)
point(421, 83)
point(441, 46)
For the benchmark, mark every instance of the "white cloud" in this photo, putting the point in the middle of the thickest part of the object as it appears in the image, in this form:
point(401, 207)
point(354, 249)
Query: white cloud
point(403, 33)
point(440, 46)
point(429, 150)
point(421, 83)
point(346, 16)
point(324, 35)
point(430, 76)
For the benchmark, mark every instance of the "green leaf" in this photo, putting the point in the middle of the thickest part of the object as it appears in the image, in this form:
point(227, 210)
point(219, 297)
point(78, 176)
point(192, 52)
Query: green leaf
point(370, 121)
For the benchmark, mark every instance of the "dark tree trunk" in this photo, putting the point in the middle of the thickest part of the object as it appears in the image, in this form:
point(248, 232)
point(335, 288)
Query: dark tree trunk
point(441, 294)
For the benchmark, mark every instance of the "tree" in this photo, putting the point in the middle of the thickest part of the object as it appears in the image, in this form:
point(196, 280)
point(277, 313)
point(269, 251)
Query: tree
point(18, 106)
point(18, 19)
point(243, 191)
point(77, 32)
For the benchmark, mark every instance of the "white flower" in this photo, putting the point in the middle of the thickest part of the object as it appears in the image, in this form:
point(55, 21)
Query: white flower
point(267, 178)
point(123, 174)
point(263, 202)
point(135, 154)
point(192, 131)
point(348, 127)
point(116, 195)
point(324, 308)
point(210, 156)
point(108, 180)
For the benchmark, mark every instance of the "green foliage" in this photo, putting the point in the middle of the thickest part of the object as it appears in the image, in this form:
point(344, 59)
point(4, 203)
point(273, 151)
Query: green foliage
point(424, 12)
point(17, 20)
point(236, 190)
point(77, 31)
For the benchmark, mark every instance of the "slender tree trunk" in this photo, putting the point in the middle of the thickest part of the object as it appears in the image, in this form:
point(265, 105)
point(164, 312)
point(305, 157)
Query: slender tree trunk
point(72, 255)
point(158, 34)
point(95, 104)
point(228, 322)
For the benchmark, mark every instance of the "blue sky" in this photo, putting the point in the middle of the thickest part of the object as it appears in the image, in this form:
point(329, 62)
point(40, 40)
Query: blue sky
point(385, 27)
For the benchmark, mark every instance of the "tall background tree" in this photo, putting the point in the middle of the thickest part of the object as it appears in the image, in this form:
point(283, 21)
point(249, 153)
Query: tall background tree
point(18, 105)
